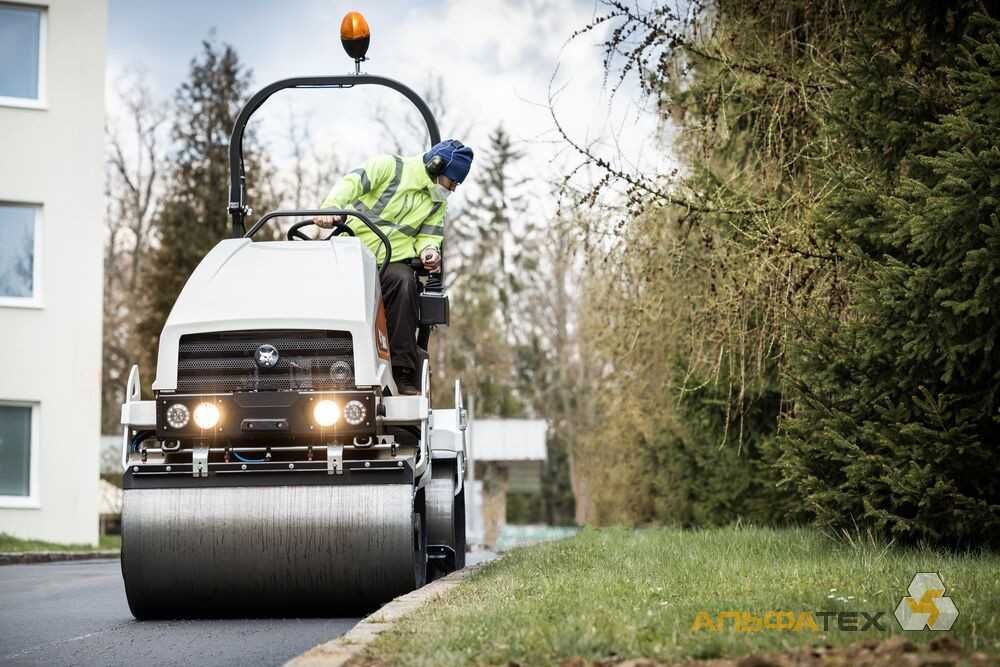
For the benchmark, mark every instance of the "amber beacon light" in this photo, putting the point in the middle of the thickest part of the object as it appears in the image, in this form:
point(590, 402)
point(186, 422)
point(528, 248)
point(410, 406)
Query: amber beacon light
point(355, 35)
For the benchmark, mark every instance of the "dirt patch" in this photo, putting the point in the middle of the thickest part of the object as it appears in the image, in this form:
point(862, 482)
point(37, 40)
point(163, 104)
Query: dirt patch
point(896, 652)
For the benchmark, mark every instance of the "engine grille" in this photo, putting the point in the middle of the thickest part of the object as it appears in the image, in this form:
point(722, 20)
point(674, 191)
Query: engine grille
point(307, 360)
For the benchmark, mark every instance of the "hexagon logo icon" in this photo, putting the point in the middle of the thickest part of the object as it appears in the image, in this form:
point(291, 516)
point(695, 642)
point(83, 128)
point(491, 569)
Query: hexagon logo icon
point(926, 606)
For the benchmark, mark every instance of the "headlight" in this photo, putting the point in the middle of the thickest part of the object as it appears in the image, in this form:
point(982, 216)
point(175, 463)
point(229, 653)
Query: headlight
point(206, 415)
point(178, 415)
point(355, 412)
point(326, 413)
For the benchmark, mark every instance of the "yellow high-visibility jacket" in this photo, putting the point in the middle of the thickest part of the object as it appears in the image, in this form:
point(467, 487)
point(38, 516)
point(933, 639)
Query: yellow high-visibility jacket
point(394, 192)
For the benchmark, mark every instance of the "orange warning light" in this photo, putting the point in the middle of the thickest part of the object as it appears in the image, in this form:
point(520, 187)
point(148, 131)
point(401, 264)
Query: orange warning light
point(355, 35)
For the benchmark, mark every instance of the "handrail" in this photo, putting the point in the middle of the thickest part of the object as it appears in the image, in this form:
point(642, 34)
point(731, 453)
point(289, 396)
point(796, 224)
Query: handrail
point(313, 212)
point(237, 174)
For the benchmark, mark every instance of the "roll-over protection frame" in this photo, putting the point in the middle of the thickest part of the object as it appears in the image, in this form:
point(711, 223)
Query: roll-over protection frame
point(238, 210)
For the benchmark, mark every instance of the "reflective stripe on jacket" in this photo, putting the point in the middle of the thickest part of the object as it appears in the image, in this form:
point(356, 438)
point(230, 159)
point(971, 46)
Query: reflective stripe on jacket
point(394, 192)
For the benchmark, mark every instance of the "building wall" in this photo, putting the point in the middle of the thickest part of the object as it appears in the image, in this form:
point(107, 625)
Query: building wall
point(53, 157)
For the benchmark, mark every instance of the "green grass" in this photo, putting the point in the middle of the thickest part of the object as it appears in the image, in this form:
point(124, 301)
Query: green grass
point(626, 594)
point(11, 544)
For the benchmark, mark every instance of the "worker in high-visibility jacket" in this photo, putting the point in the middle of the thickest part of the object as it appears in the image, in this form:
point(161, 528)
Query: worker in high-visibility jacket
point(407, 198)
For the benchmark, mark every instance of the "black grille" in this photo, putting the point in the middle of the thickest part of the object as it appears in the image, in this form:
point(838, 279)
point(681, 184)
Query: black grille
point(222, 362)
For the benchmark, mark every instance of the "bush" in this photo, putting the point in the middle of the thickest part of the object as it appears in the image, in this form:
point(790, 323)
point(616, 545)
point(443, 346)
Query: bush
point(719, 468)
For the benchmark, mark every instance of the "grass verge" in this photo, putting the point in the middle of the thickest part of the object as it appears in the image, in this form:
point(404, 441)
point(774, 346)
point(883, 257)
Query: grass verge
point(11, 544)
point(624, 594)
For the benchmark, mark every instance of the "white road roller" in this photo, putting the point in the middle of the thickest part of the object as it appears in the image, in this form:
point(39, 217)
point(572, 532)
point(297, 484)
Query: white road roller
point(276, 471)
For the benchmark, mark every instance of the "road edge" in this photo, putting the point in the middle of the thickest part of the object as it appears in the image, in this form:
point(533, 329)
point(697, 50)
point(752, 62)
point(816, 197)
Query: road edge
point(339, 651)
point(25, 557)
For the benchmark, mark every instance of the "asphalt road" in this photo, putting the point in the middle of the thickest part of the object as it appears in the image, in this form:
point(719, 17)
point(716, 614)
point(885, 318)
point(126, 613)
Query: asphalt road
point(74, 613)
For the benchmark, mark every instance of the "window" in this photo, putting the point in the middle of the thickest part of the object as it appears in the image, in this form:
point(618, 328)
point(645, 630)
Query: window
point(19, 255)
point(22, 55)
point(18, 455)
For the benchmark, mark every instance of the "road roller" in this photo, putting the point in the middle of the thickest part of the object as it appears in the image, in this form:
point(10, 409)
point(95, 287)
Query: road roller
point(274, 469)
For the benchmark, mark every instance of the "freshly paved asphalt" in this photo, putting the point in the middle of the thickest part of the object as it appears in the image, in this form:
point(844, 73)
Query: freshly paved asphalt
point(74, 613)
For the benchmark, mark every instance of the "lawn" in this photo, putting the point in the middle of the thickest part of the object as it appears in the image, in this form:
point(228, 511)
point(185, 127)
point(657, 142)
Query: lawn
point(11, 544)
point(623, 594)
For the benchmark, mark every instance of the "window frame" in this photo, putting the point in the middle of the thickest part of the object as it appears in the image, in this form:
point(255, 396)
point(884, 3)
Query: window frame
point(35, 300)
point(33, 499)
point(40, 102)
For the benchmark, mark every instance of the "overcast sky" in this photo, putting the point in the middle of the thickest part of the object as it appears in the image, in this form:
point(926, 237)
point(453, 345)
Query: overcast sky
point(497, 58)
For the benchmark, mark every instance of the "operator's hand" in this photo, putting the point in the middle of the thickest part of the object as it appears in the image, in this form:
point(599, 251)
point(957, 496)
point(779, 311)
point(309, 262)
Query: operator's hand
point(328, 221)
point(431, 258)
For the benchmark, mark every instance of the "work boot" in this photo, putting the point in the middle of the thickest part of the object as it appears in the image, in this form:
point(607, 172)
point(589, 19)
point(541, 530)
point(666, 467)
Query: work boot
point(406, 381)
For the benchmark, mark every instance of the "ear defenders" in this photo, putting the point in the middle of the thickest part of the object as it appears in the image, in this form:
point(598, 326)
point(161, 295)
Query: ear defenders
point(435, 166)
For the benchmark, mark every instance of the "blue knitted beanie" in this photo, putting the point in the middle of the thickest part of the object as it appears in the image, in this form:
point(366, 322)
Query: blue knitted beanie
point(457, 158)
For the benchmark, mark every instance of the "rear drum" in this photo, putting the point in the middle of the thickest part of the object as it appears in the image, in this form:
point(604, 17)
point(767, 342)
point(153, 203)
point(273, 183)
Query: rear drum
point(446, 516)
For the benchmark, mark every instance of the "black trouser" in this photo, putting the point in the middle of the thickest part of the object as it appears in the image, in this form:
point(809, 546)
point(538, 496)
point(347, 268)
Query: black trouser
point(399, 294)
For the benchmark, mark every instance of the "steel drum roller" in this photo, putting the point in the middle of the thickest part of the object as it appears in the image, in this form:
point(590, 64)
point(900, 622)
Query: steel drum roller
point(272, 550)
point(446, 513)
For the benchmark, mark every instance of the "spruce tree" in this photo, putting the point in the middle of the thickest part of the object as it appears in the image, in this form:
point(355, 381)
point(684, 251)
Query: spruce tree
point(498, 236)
point(898, 422)
point(486, 259)
point(193, 216)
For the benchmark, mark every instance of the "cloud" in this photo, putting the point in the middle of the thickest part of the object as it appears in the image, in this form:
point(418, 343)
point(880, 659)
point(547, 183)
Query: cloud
point(497, 59)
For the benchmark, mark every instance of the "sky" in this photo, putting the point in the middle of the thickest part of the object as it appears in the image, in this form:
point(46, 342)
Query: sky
point(499, 60)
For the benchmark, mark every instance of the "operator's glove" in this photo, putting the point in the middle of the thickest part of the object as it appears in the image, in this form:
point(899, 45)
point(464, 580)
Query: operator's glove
point(431, 258)
point(327, 221)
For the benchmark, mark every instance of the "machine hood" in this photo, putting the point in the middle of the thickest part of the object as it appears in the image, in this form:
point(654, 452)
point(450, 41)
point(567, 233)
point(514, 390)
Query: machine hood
point(246, 285)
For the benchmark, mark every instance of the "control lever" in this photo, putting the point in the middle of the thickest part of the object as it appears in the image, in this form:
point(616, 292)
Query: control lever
point(433, 283)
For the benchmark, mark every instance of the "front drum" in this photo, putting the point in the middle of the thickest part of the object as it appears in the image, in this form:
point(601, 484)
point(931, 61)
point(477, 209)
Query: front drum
point(269, 550)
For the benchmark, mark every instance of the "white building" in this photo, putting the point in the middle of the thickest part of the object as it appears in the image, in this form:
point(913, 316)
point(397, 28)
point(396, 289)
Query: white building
point(51, 238)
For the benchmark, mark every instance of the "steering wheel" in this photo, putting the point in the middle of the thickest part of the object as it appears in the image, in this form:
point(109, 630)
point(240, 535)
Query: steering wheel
point(295, 233)
point(340, 228)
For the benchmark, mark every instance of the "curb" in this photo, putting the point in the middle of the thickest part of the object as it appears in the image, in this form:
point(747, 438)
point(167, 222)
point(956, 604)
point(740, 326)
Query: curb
point(339, 651)
point(20, 558)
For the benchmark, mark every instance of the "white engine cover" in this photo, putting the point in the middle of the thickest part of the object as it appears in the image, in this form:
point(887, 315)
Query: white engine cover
point(244, 285)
